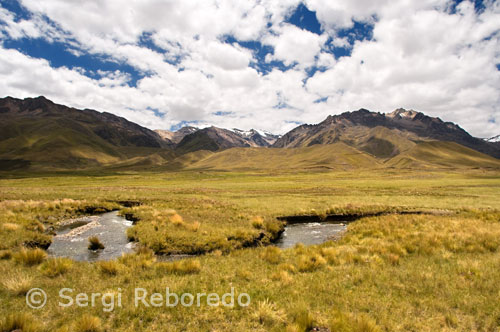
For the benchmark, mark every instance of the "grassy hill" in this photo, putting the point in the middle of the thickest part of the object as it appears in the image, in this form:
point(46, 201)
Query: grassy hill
point(38, 134)
point(338, 156)
point(442, 154)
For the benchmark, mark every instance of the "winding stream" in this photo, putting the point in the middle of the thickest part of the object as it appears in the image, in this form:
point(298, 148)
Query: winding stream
point(72, 238)
point(309, 233)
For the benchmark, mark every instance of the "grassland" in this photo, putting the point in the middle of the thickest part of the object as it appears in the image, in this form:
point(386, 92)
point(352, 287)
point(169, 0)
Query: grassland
point(436, 271)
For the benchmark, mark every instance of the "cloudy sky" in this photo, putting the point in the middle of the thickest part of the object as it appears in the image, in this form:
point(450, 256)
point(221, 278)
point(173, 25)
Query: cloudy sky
point(265, 64)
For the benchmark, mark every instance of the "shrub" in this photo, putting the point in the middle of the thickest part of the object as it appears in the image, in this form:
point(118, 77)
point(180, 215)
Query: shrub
point(308, 263)
point(95, 243)
point(56, 266)
point(88, 323)
point(111, 268)
point(18, 284)
point(30, 257)
point(19, 322)
point(271, 255)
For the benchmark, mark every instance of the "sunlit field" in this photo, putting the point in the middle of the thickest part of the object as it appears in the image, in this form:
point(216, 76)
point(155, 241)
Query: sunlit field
point(423, 254)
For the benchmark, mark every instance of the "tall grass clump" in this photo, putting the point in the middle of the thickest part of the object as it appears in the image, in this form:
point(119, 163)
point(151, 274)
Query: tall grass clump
point(56, 266)
point(88, 323)
point(111, 268)
point(95, 243)
point(19, 321)
point(30, 257)
point(188, 266)
point(310, 262)
point(18, 284)
point(271, 255)
point(267, 313)
point(257, 222)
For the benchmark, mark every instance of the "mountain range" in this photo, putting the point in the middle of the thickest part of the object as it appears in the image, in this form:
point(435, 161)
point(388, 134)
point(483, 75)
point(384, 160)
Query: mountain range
point(37, 134)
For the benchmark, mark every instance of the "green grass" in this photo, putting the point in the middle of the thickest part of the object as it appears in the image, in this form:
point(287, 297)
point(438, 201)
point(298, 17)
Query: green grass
point(436, 271)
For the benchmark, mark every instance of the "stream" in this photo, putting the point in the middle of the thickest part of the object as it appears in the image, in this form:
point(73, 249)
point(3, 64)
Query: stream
point(309, 233)
point(72, 238)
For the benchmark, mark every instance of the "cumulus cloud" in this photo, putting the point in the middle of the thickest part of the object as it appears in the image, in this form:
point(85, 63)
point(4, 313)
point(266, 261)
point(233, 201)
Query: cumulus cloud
point(424, 54)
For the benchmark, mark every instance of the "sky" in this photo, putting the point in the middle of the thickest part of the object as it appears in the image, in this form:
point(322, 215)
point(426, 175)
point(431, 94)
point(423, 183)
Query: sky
point(263, 64)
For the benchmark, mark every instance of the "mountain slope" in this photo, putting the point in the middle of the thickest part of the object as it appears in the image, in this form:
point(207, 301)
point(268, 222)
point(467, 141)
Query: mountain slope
point(442, 154)
point(403, 127)
point(338, 156)
point(176, 136)
point(40, 133)
point(211, 139)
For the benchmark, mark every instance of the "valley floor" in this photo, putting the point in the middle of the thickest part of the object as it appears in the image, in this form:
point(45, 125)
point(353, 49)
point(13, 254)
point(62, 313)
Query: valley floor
point(433, 271)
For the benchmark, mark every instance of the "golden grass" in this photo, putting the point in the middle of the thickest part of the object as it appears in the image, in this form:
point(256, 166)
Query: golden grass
point(95, 243)
point(30, 257)
point(54, 267)
point(19, 322)
point(17, 283)
point(88, 323)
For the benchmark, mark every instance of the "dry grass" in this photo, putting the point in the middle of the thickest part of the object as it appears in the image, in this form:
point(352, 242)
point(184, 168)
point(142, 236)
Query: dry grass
point(187, 266)
point(54, 267)
point(88, 323)
point(21, 322)
point(95, 243)
point(18, 283)
point(271, 255)
point(30, 257)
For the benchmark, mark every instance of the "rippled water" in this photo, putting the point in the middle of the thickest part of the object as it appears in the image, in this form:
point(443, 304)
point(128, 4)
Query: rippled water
point(72, 240)
point(308, 233)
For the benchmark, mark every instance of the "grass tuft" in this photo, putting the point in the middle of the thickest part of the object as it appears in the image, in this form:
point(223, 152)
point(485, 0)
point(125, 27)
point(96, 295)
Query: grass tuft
point(311, 262)
point(111, 268)
point(19, 321)
point(30, 257)
point(18, 284)
point(56, 266)
point(271, 255)
point(188, 266)
point(88, 323)
point(95, 243)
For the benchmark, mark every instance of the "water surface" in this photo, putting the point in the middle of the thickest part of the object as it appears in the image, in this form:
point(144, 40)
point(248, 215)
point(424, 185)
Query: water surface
point(72, 239)
point(309, 233)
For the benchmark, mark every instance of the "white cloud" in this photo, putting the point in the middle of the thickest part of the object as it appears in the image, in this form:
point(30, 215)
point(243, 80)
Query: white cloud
point(422, 57)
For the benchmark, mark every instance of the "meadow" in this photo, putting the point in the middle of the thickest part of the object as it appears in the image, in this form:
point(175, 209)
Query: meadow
point(423, 254)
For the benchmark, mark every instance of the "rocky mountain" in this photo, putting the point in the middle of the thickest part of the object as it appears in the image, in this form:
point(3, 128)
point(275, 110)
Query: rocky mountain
point(176, 136)
point(189, 139)
point(256, 138)
point(211, 139)
point(38, 132)
point(383, 135)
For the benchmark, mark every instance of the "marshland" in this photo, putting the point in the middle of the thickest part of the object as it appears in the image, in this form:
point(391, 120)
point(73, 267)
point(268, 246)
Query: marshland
point(422, 253)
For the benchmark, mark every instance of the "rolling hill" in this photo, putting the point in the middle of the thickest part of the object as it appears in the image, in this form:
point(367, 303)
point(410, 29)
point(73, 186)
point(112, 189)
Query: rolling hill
point(38, 133)
point(401, 127)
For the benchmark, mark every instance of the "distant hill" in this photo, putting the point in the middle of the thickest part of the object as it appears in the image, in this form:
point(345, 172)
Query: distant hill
point(338, 156)
point(383, 135)
point(35, 132)
point(38, 135)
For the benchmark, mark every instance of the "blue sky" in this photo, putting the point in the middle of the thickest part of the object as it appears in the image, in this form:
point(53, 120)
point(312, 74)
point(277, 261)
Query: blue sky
point(268, 65)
